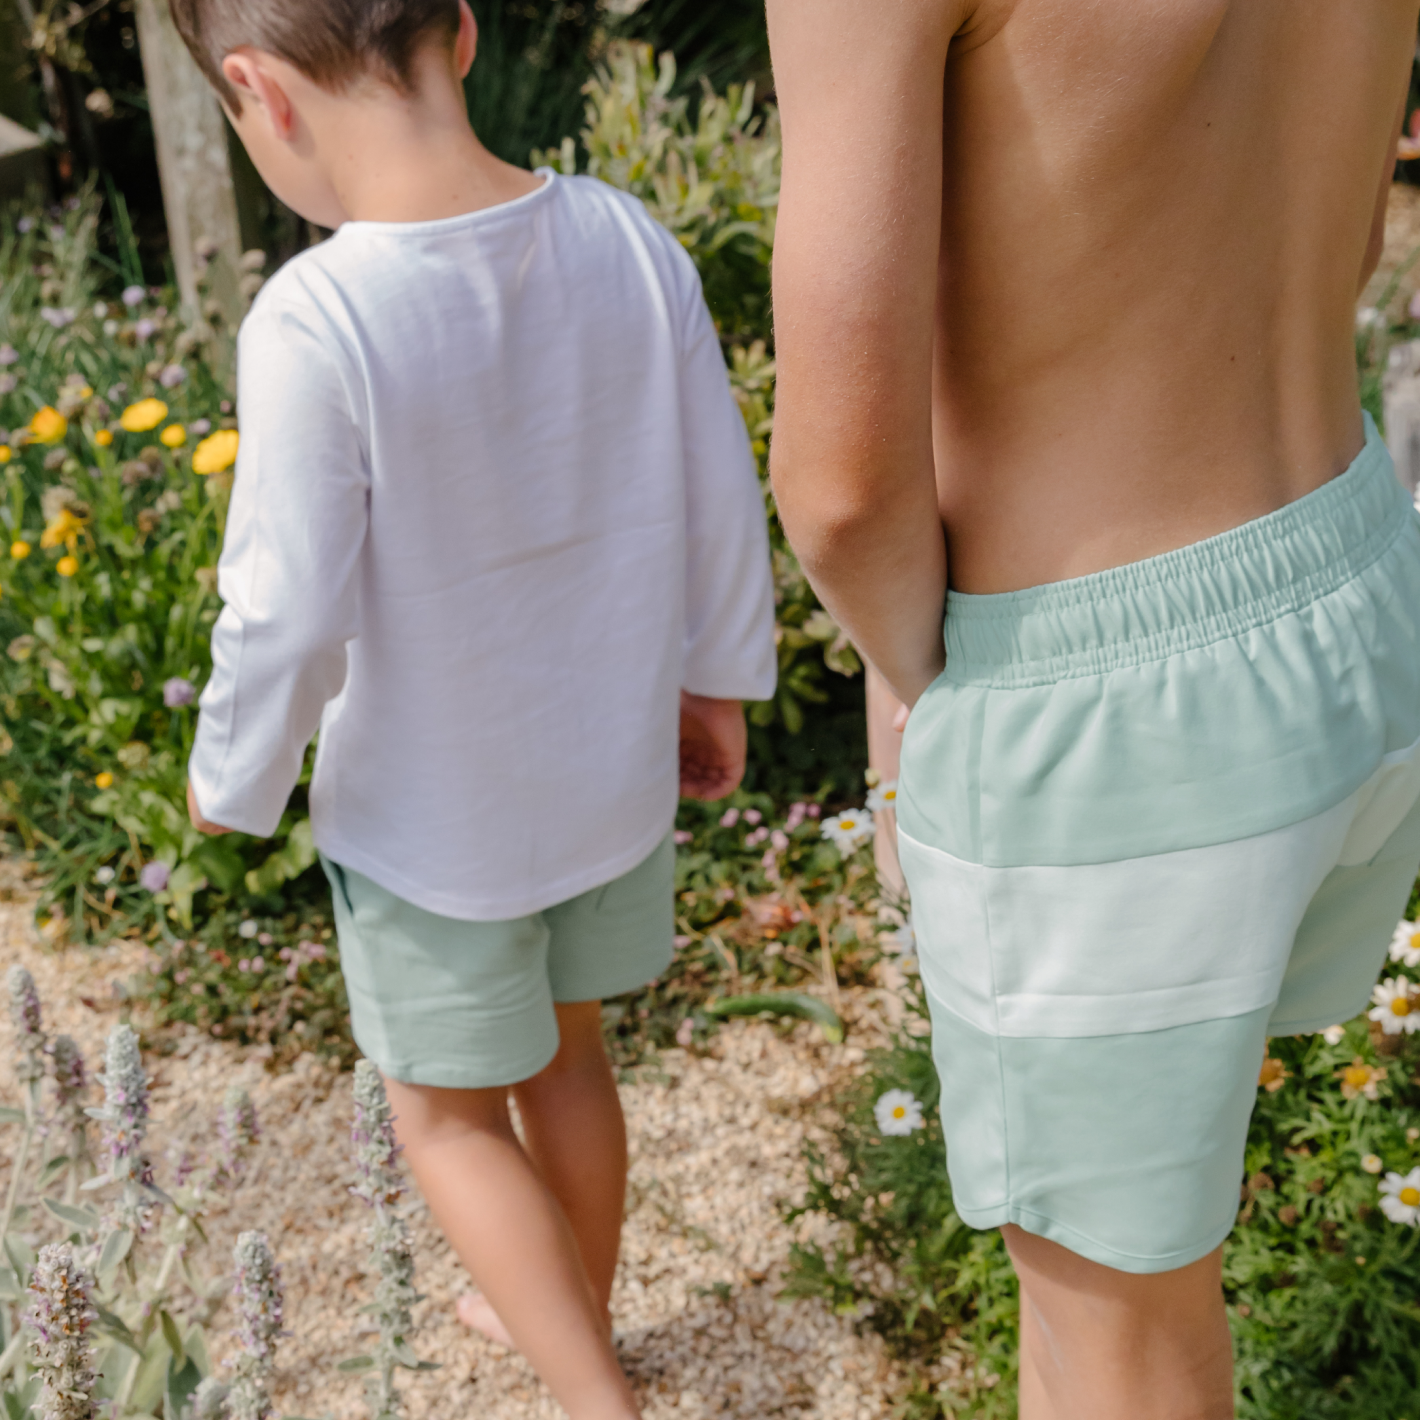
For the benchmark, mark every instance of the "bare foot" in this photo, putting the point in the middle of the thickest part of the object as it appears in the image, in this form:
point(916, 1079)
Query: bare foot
point(476, 1312)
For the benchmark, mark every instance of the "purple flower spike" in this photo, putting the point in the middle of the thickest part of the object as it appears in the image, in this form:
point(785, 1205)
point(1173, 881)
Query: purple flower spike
point(259, 1304)
point(144, 328)
point(59, 1316)
point(132, 296)
point(178, 692)
point(155, 875)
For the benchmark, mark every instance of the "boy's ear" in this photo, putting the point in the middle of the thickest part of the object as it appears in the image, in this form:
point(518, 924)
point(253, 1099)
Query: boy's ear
point(466, 43)
point(256, 85)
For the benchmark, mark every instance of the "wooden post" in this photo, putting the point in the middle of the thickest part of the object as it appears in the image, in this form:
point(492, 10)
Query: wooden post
point(193, 163)
point(1400, 391)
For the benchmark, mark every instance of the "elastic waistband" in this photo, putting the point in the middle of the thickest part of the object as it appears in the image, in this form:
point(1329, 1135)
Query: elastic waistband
point(1214, 589)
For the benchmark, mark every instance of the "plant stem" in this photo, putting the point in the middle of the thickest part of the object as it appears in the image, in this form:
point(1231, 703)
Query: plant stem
point(12, 1193)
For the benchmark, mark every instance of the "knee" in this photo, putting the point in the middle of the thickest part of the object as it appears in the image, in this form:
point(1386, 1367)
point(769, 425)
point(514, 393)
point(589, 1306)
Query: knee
point(427, 1115)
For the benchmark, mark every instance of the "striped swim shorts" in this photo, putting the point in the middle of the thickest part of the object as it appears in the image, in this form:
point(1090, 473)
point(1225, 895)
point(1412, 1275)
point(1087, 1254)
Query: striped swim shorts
point(1149, 818)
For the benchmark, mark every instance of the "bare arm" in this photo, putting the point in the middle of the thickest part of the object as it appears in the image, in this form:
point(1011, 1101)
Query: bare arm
point(1376, 246)
point(855, 281)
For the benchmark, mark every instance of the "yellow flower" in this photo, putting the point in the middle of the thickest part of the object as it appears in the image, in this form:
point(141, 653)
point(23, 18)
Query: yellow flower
point(174, 436)
point(6, 453)
point(104, 780)
point(62, 528)
point(216, 452)
point(48, 426)
point(146, 414)
point(67, 566)
point(1358, 1078)
point(19, 549)
point(1272, 1076)
point(104, 438)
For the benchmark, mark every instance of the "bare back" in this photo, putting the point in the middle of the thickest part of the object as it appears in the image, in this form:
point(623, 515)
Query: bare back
point(1063, 284)
point(1155, 219)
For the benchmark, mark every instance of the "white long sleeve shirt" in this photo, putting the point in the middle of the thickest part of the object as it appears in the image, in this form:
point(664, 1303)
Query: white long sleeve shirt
point(494, 508)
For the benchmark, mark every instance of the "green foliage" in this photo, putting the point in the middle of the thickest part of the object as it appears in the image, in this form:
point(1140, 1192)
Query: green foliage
point(108, 588)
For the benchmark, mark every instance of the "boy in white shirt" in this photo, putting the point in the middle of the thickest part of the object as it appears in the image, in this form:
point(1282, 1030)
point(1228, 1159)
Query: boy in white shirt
point(496, 532)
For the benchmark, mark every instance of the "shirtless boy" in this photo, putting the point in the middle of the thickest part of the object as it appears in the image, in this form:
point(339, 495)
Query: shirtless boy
point(1064, 297)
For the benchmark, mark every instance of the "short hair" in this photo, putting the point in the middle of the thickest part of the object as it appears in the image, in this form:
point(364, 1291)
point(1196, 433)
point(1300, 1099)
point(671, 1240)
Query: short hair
point(333, 42)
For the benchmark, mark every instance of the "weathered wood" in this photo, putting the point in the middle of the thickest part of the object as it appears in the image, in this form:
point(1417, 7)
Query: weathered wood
point(1400, 390)
point(198, 198)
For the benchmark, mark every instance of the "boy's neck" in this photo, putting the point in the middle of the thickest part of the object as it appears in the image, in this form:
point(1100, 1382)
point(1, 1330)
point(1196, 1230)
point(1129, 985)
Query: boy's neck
point(398, 158)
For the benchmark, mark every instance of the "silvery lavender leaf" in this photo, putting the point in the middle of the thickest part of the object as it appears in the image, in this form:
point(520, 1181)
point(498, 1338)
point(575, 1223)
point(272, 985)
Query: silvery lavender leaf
point(29, 1025)
point(59, 1316)
point(209, 1401)
point(259, 1301)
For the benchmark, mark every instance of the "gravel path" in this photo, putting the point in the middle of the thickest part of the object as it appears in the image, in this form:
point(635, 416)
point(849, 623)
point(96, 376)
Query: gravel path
point(716, 1143)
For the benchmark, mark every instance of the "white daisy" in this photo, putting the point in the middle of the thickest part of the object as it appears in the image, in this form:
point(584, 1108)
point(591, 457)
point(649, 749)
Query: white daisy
point(898, 1112)
point(904, 939)
point(247, 930)
point(1405, 945)
point(849, 829)
point(1400, 1197)
point(882, 796)
point(1396, 1009)
point(104, 875)
point(1372, 1163)
point(1334, 1035)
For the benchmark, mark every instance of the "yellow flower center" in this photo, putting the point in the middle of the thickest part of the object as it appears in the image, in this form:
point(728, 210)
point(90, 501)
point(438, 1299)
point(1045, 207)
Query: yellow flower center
point(104, 780)
point(1400, 1006)
point(899, 1111)
point(5, 453)
point(174, 436)
point(1410, 1197)
point(1415, 941)
point(104, 438)
point(67, 566)
point(1357, 1075)
point(19, 550)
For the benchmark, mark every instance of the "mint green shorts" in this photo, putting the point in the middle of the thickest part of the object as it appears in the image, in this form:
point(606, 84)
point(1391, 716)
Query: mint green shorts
point(469, 1005)
point(1149, 818)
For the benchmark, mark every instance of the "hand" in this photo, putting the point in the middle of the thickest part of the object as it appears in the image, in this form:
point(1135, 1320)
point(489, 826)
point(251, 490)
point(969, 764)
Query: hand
point(201, 824)
point(713, 741)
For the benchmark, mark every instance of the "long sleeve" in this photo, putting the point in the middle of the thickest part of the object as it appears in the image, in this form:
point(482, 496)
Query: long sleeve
point(729, 650)
point(297, 522)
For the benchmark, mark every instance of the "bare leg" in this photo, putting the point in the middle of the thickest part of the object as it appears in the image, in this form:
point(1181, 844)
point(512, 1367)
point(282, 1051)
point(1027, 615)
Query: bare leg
point(510, 1232)
point(1099, 1344)
point(576, 1136)
point(884, 753)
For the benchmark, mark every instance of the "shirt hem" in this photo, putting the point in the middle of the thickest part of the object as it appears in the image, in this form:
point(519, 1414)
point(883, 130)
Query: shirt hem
point(466, 908)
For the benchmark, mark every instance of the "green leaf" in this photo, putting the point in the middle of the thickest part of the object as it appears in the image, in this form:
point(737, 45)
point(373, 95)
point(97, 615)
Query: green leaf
point(221, 862)
point(83, 1218)
point(404, 1354)
point(781, 1003)
point(10, 1115)
point(115, 1326)
point(173, 1337)
point(10, 1289)
point(180, 1383)
point(357, 1363)
point(53, 1169)
point(115, 1249)
point(289, 861)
